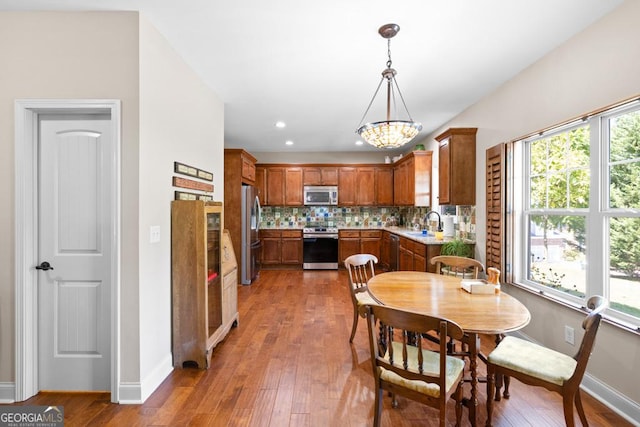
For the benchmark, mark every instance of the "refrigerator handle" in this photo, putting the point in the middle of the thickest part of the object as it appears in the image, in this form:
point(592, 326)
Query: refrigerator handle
point(258, 213)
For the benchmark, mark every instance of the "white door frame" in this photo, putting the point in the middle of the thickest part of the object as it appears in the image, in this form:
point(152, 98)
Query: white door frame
point(26, 234)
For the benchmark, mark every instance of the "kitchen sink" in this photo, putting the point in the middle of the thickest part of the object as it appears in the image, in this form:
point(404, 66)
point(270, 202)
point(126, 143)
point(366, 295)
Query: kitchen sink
point(419, 234)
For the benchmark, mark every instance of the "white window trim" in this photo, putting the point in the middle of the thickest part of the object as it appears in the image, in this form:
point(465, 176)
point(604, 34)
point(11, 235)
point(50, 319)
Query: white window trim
point(597, 216)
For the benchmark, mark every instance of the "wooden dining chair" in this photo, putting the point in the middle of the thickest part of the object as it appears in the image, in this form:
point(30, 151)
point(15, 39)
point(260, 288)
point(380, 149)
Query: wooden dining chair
point(536, 365)
point(361, 268)
point(457, 266)
point(404, 363)
point(462, 267)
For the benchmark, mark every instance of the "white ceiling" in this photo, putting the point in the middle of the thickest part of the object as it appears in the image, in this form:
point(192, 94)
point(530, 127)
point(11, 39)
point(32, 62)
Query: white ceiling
point(315, 64)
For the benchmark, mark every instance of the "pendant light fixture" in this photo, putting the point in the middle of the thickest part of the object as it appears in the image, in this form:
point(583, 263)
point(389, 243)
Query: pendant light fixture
point(389, 133)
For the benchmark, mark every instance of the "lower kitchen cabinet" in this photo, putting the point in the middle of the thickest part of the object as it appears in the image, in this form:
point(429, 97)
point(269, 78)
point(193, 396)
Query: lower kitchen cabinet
point(271, 247)
point(281, 247)
point(353, 242)
point(348, 244)
point(370, 242)
point(291, 247)
point(416, 256)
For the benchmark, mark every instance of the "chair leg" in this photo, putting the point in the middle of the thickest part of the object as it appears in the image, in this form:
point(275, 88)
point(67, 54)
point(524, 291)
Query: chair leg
point(458, 397)
point(490, 389)
point(567, 406)
point(506, 379)
point(355, 324)
point(377, 410)
point(578, 400)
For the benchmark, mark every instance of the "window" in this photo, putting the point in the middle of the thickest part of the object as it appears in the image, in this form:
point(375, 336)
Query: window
point(576, 224)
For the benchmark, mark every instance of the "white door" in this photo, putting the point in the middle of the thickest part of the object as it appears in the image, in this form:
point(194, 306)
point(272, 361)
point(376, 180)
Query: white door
point(74, 296)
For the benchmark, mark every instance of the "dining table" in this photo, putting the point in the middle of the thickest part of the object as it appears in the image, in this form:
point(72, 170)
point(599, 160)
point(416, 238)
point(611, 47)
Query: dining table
point(439, 295)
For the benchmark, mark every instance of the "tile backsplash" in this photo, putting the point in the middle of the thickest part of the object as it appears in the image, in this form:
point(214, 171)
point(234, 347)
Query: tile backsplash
point(365, 216)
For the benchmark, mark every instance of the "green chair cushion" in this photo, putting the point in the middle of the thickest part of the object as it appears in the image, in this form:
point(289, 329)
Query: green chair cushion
point(430, 366)
point(533, 359)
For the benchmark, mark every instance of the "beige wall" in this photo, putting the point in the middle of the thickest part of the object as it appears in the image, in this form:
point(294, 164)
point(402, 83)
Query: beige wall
point(167, 115)
point(64, 55)
point(596, 68)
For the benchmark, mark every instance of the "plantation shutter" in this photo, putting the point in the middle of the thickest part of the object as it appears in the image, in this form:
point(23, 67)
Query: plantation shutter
point(496, 183)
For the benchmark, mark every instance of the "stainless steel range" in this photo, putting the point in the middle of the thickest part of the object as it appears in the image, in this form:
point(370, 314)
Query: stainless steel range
point(320, 248)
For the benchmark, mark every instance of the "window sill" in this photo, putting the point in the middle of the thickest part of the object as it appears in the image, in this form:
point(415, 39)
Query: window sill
point(624, 325)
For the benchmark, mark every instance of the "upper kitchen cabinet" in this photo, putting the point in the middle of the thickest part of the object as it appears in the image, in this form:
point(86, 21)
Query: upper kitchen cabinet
point(457, 166)
point(347, 186)
point(365, 191)
point(321, 175)
point(412, 179)
point(293, 188)
point(279, 185)
point(384, 185)
point(356, 186)
point(239, 167)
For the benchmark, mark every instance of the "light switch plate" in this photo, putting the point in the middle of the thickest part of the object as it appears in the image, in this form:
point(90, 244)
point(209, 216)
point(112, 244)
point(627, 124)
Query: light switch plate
point(154, 234)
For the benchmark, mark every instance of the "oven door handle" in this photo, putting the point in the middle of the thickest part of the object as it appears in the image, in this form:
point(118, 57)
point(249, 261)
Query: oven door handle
point(319, 236)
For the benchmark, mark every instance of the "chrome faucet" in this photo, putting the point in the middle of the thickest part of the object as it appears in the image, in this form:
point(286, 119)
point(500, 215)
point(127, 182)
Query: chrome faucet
point(426, 219)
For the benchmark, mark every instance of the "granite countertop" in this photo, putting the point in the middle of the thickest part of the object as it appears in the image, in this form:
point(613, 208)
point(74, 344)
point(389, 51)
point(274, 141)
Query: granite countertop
point(409, 233)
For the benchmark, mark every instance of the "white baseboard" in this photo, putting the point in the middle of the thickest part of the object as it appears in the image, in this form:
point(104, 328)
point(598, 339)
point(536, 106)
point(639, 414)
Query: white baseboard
point(137, 393)
point(7, 393)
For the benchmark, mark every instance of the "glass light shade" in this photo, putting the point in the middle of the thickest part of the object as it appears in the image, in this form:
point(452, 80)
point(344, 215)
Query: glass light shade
point(389, 133)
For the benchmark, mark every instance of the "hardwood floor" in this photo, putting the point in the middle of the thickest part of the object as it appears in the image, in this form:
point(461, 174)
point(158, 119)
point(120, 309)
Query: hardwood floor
point(289, 363)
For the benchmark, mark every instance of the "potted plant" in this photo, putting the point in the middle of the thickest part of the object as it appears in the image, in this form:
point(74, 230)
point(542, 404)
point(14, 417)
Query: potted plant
point(457, 247)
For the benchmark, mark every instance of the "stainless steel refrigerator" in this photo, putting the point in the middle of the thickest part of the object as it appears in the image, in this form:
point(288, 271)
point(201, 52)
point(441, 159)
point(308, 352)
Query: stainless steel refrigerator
point(250, 262)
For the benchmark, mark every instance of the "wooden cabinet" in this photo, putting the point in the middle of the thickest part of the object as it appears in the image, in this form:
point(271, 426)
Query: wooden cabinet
point(239, 169)
point(419, 256)
point(279, 185)
point(385, 251)
point(432, 250)
point(261, 184)
point(347, 186)
point(457, 166)
point(348, 244)
point(370, 242)
point(196, 281)
point(412, 179)
point(320, 175)
point(274, 186)
point(271, 246)
point(357, 186)
point(365, 186)
point(416, 256)
point(230, 316)
point(384, 186)
point(353, 242)
point(293, 188)
point(281, 247)
point(406, 255)
point(291, 247)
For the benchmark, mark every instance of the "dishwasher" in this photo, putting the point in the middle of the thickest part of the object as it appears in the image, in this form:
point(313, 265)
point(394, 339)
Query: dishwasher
point(394, 255)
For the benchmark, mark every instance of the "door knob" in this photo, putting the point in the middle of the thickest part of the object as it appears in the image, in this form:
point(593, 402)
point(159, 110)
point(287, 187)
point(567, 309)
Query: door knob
point(44, 266)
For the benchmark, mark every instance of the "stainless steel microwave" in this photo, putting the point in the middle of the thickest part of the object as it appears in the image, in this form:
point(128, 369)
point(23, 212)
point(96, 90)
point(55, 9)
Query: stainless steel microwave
point(321, 195)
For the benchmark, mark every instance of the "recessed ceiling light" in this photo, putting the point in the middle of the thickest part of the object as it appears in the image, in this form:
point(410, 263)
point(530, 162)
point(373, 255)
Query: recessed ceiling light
point(359, 142)
point(280, 124)
point(289, 142)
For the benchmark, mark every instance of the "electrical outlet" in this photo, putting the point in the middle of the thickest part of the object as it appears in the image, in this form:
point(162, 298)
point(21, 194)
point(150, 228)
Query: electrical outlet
point(569, 335)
